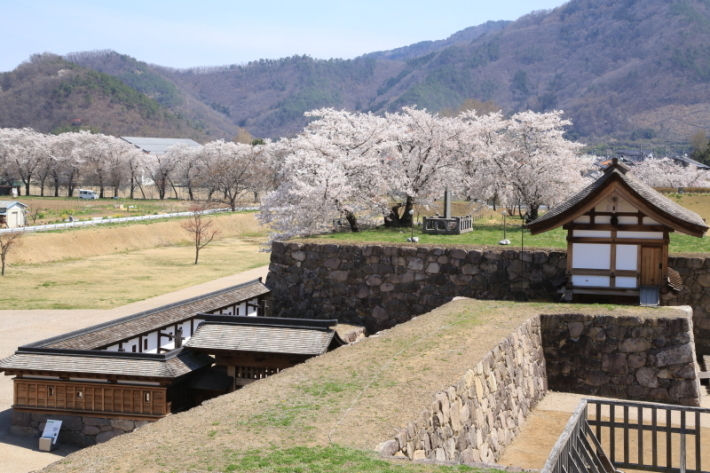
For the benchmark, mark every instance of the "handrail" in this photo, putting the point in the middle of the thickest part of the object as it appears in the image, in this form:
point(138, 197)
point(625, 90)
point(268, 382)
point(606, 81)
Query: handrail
point(577, 449)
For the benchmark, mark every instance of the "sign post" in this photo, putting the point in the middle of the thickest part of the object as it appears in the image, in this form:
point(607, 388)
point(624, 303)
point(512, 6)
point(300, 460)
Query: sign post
point(49, 436)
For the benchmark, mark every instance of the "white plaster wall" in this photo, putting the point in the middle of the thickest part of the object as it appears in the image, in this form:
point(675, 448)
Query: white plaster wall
point(591, 256)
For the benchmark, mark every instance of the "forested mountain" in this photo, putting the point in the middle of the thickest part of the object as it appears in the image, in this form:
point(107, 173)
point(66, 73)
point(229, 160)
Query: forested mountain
point(50, 94)
point(621, 69)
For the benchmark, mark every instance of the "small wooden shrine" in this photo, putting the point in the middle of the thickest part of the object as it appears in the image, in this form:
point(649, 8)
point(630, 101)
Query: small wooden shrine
point(617, 237)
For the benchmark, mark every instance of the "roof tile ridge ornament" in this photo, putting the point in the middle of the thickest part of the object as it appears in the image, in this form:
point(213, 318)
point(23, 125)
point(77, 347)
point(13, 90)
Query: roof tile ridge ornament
point(616, 165)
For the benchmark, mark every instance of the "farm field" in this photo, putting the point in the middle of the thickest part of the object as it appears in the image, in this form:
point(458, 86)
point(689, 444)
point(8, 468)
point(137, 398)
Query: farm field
point(488, 230)
point(329, 413)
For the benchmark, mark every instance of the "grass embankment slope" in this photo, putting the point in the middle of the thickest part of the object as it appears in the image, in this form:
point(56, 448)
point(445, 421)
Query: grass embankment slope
point(357, 394)
point(109, 266)
point(488, 230)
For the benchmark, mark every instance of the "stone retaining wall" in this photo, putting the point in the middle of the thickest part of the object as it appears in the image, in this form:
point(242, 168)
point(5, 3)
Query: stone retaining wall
point(381, 286)
point(475, 419)
point(695, 293)
point(646, 359)
point(76, 430)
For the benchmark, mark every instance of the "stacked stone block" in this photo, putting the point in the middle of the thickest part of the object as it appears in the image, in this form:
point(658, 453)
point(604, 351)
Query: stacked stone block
point(645, 359)
point(483, 412)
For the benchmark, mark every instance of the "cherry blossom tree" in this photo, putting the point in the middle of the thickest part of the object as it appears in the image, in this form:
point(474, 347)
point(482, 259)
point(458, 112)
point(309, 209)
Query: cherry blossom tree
point(27, 155)
point(667, 173)
point(331, 171)
point(536, 162)
point(426, 152)
point(233, 168)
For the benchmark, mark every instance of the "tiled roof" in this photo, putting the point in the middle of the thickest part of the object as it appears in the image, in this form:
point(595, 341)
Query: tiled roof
point(688, 222)
point(168, 367)
point(105, 334)
point(263, 339)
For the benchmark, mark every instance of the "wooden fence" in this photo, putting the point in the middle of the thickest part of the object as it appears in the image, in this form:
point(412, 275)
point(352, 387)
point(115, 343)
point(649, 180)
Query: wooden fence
point(603, 435)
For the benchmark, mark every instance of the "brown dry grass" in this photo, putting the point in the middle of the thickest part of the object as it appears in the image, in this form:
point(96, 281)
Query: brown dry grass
point(106, 267)
point(113, 280)
point(358, 394)
point(88, 242)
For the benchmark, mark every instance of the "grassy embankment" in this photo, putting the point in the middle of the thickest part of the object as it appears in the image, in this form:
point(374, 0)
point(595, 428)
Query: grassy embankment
point(488, 230)
point(109, 266)
point(329, 413)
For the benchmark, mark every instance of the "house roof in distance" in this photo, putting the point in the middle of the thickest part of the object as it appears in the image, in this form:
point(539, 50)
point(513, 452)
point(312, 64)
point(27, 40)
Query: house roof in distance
point(265, 335)
point(4, 205)
point(158, 145)
point(658, 206)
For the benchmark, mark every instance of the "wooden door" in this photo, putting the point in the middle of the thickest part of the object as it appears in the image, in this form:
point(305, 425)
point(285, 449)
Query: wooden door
point(651, 265)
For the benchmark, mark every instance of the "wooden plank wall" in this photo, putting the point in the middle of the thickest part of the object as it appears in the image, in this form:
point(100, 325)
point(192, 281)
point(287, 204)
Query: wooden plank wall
point(118, 399)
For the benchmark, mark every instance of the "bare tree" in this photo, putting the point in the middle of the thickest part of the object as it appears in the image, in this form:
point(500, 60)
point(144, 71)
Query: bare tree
point(8, 241)
point(201, 229)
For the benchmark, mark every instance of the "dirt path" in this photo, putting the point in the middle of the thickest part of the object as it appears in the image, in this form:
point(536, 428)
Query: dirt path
point(19, 454)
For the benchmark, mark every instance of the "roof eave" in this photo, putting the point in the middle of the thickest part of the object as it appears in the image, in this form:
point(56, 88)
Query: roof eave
point(681, 226)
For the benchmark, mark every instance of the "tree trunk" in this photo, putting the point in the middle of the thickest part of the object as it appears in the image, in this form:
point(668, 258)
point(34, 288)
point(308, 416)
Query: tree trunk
point(352, 220)
point(56, 187)
point(533, 211)
point(392, 220)
point(395, 220)
point(27, 186)
point(407, 219)
point(197, 253)
point(189, 191)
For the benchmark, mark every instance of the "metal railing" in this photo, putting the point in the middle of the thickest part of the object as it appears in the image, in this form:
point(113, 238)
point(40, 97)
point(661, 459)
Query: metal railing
point(103, 221)
point(674, 433)
point(631, 434)
point(578, 450)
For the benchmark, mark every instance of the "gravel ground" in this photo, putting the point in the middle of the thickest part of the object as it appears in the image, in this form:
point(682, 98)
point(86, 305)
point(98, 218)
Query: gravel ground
point(355, 396)
point(20, 454)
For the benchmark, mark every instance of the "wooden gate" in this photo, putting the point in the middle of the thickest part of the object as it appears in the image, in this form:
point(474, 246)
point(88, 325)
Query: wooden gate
point(651, 265)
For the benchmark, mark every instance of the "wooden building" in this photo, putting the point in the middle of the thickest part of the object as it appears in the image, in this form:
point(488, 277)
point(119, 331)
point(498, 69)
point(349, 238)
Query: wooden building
point(617, 237)
point(253, 349)
point(132, 368)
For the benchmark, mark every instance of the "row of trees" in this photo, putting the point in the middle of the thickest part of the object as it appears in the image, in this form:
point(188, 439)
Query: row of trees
point(60, 163)
point(353, 166)
point(364, 167)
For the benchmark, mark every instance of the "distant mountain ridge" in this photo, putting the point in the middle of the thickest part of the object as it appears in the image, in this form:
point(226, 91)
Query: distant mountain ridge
point(629, 70)
point(53, 95)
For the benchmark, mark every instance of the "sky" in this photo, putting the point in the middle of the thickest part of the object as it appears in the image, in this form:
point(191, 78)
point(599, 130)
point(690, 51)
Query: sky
point(185, 34)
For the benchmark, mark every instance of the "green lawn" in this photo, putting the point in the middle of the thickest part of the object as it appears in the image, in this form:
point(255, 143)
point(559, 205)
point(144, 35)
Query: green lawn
point(490, 232)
